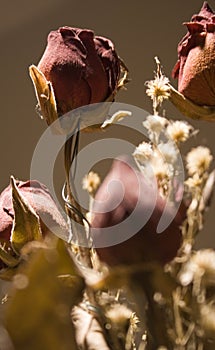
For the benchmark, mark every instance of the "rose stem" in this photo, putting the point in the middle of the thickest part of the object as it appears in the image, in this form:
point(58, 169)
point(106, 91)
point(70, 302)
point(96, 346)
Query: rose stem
point(73, 208)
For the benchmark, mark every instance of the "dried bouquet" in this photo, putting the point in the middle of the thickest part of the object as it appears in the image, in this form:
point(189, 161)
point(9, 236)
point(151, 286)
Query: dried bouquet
point(122, 272)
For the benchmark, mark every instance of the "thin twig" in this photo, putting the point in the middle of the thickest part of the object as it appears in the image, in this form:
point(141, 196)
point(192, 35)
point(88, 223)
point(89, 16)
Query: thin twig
point(73, 208)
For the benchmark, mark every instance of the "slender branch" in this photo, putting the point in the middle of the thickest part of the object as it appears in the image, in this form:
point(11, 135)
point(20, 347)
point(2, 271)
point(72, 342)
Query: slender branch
point(73, 208)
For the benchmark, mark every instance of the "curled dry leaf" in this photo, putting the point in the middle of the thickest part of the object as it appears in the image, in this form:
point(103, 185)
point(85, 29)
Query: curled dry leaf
point(26, 224)
point(45, 95)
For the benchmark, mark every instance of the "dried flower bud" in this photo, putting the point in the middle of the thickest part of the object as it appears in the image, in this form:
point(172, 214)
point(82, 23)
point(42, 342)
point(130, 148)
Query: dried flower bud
point(35, 195)
point(82, 68)
point(146, 244)
point(195, 67)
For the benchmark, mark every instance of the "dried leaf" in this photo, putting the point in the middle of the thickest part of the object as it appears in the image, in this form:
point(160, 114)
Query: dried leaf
point(124, 75)
point(190, 109)
point(45, 95)
point(38, 312)
point(26, 225)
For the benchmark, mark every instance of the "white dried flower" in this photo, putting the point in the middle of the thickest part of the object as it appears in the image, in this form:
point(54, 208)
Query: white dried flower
point(119, 314)
point(179, 131)
point(143, 152)
point(155, 123)
point(91, 182)
point(198, 160)
point(161, 170)
point(168, 152)
point(158, 88)
point(134, 320)
point(201, 265)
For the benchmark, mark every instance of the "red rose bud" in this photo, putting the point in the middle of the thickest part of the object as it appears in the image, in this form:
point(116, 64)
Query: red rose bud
point(81, 67)
point(21, 204)
point(133, 217)
point(195, 68)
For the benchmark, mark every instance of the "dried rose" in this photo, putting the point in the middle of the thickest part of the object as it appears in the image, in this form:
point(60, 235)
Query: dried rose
point(195, 67)
point(18, 209)
point(111, 210)
point(82, 68)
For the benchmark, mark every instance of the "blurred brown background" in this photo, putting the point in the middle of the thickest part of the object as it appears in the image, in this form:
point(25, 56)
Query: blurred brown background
point(140, 31)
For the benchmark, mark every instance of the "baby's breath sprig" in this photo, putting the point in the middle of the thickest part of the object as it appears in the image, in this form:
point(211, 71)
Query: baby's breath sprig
point(198, 163)
point(158, 89)
point(159, 158)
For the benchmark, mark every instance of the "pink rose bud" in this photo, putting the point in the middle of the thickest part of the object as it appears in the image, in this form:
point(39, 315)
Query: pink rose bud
point(37, 196)
point(195, 68)
point(82, 68)
point(142, 207)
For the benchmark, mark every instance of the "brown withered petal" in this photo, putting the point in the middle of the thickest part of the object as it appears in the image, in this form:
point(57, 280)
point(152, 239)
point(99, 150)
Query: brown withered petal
point(82, 68)
point(146, 244)
point(195, 68)
point(110, 60)
point(38, 196)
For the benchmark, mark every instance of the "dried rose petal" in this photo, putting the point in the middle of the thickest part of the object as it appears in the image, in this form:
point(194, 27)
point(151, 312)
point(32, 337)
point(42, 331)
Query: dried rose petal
point(146, 244)
point(82, 68)
point(195, 68)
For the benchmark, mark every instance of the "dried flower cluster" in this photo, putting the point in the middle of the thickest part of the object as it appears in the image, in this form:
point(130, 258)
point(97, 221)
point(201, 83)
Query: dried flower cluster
point(134, 285)
point(186, 304)
point(159, 157)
